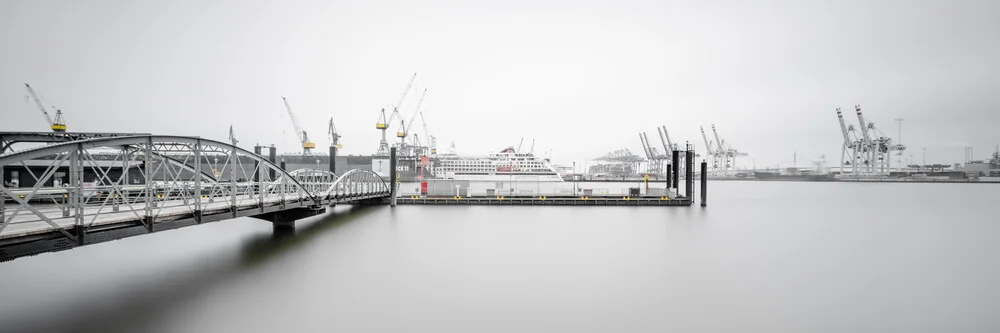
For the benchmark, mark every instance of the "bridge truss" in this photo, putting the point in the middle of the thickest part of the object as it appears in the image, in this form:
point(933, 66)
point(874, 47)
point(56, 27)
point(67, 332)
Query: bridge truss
point(80, 192)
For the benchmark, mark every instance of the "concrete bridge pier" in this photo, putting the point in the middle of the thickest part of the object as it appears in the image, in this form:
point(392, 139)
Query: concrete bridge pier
point(284, 221)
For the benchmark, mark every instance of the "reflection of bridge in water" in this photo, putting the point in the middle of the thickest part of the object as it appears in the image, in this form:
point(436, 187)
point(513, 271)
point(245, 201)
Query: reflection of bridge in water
point(120, 186)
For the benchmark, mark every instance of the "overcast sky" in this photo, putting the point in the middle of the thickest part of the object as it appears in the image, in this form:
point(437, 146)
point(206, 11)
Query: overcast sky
point(580, 77)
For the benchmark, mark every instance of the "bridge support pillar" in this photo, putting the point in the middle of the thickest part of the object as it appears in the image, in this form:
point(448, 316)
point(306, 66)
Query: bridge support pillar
point(256, 164)
point(271, 155)
point(81, 234)
point(285, 219)
point(704, 183)
point(392, 177)
point(669, 174)
point(198, 216)
point(333, 159)
point(689, 174)
point(677, 171)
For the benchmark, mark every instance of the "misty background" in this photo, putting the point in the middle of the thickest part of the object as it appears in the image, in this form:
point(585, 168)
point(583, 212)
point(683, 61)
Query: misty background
point(579, 77)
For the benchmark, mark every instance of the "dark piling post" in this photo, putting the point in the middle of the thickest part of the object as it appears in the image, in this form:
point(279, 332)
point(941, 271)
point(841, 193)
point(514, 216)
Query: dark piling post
point(392, 176)
point(689, 174)
point(333, 159)
point(669, 174)
point(704, 183)
point(282, 165)
point(272, 152)
point(677, 170)
point(256, 164)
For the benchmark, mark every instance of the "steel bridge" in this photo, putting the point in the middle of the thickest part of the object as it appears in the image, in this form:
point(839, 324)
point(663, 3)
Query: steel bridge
point(90, 190)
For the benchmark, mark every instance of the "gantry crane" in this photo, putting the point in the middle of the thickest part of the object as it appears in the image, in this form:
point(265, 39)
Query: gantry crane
point(57, 125)
point(307, 145)
point(383, 123)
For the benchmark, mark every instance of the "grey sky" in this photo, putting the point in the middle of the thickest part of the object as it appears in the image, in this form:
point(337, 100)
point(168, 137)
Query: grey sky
point(581, 77)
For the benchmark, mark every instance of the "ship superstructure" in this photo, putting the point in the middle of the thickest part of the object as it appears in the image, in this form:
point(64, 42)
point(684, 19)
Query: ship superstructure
point(506, 165)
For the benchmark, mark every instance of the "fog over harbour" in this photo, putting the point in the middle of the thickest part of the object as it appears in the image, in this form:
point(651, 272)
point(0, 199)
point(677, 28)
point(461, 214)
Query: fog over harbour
point(582, 77)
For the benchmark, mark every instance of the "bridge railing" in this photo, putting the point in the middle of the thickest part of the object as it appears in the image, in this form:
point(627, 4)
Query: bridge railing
point(88, 183)
point(357, 183)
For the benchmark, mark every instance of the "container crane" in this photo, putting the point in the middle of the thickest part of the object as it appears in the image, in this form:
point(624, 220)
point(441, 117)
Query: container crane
point(712, 155)
point(57, 125)
point(645, 148)
point(667, 149)
point(307, 145)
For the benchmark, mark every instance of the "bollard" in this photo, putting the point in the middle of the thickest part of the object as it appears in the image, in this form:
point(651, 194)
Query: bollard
point(704, 183)
point(392, 177)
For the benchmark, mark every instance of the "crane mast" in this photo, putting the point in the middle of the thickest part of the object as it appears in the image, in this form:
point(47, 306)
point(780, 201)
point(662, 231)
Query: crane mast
point(57, 125)
point(307, 145)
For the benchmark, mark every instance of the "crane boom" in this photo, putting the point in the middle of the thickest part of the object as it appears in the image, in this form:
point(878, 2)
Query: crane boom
point(708, 144)
point(415, 112)
point(666, 148)
point(57, 125)
point(843, 128)
point(303, 136)
point(432, 141)
point(406, 91)
point(38, 103)
point(669, 142)
point(644, 148)
point(864, 127)
point(717, 140)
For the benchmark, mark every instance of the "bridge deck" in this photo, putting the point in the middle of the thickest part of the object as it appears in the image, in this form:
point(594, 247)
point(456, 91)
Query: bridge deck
point(546, 201)
point(27, 223)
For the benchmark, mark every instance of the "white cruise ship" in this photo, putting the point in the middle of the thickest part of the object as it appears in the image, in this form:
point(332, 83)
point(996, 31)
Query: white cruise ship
point(506, 165)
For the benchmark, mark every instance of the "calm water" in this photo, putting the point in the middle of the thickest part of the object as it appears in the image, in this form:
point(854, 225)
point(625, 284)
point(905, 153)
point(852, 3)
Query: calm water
point(763, 257)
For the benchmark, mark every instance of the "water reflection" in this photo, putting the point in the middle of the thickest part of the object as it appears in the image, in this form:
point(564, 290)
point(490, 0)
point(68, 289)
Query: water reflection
point(126, 291)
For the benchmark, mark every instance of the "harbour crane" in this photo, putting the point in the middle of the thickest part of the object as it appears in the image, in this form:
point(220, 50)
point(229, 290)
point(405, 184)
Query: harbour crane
point(383, 122)
point(334, 137)
point(433, 140)
point(404, 130)
point(718, 141)
point(669, 142)
point(662, 132)
point(645, 148)
point(307, 145)
point(57, 125)
point(712, 155)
